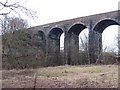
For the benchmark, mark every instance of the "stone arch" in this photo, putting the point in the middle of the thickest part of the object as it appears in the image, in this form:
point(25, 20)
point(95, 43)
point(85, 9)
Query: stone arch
point(53, 46)
point(102, 24)
point(40, 40)
point(41, 35)
point(55, 33)
point(76, 29)
point(39, 47)
point(74, 32)
point(98, 30)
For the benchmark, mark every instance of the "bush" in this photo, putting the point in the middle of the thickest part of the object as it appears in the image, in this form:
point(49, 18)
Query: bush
point(20, 50)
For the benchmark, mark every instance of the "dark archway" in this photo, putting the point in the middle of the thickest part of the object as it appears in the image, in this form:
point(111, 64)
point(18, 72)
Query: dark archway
point(41, 35)
point(38, 50)
point(53, 48)
point(40, 40)
point(76, 29)
point(99, 28)
point(73, 51)
point(55, 33)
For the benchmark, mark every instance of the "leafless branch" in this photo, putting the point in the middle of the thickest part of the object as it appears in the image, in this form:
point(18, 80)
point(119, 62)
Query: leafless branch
point(17, 8)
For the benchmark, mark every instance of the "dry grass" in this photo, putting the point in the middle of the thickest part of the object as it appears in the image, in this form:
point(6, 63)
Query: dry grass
point(90, 76)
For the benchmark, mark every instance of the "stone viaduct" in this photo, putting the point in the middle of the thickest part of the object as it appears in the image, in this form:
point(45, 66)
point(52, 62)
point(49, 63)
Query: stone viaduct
point(50, 35)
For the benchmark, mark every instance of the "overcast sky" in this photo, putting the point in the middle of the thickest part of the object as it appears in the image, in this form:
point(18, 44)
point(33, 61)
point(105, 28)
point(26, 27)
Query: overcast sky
point(57, 10)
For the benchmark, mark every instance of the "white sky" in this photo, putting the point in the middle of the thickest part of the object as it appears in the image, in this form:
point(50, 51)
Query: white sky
point(57, 10)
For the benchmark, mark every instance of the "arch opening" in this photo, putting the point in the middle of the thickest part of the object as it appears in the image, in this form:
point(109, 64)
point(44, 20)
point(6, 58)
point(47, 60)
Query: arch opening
point(110, 44)
point(83, 46)
point(100, 26)
point(109, 39)
point(54, 56)
point(62, 42)
point(83, 40)
point(41, 35)
point(39, 40)
point(100, 45)
point(39, 47)
point(55, 33)
point(74, 31)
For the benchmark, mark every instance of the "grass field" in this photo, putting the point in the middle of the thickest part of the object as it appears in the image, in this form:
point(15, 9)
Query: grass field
point(90, 76)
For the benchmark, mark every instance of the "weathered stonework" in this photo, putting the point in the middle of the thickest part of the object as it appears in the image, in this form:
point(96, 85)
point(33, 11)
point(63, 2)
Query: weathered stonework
point(72, 28)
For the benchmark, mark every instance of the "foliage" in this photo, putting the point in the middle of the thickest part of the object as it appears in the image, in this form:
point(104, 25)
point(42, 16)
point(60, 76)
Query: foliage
point(20, 51)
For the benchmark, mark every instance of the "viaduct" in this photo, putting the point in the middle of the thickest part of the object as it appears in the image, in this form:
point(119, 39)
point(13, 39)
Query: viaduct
point(49, 35)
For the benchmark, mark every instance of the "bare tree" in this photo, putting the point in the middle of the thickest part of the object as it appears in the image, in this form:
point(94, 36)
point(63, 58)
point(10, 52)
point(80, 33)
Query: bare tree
point(7, 7)
point(84, 43)
point(16, 24)
point(3, 24)
point(10, 24)
point(84, 48)
point(118, 38)
point(109, 52)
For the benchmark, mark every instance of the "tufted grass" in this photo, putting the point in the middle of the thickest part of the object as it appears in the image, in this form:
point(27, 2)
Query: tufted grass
point(64, 76)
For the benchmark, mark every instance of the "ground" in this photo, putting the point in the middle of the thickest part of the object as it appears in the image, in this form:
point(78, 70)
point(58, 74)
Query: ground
point(90, 76)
